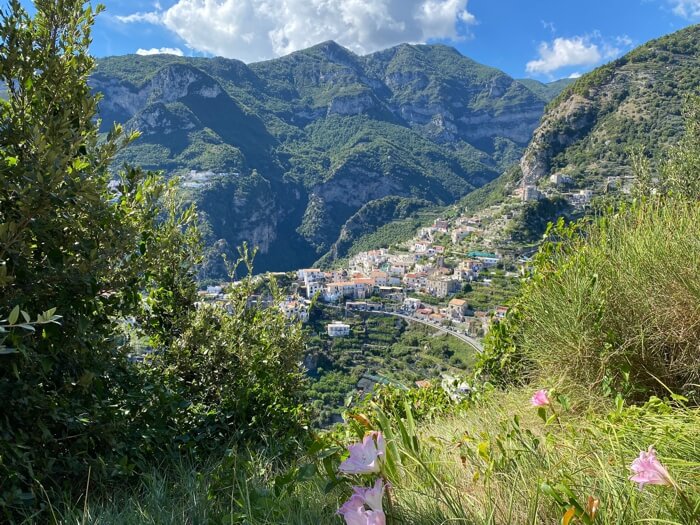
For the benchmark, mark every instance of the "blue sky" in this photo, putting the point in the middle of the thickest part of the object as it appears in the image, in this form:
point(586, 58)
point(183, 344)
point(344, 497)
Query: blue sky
point(543, 39)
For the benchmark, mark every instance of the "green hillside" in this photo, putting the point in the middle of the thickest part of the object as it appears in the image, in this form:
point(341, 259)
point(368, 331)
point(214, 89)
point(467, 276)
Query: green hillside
point(283, 153)
point(632, 102)
point(547, 91)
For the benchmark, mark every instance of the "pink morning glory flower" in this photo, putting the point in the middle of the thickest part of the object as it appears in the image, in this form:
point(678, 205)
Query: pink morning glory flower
point(362, 516)
point(540, 399)
point(648, 469)
point(354, 504)
point(371, 496)
point(365, 457)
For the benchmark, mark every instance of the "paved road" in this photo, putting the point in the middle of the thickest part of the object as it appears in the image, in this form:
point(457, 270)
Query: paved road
point(463, 337)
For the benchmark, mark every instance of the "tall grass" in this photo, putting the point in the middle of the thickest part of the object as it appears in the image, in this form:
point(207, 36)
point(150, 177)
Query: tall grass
point(619, 308)
point(486, 466)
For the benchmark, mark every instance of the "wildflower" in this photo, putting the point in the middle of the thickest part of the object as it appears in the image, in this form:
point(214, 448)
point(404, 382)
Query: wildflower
point(648, 469)
point(355, 513)
point(540, 399)
point(373, 496)
point(365, 457)
point(354, 504)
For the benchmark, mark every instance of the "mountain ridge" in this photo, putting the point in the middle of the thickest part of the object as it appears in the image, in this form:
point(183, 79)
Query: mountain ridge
point(632, 102)
point(324, 131)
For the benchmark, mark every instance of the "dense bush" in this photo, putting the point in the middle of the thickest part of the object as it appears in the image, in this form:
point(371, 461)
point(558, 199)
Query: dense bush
point(86, 253)
point(617, 307)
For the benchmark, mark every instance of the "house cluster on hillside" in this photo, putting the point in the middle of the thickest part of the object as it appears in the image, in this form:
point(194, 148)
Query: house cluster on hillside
point(559, 184)
point(379, 272)
point(433, 264)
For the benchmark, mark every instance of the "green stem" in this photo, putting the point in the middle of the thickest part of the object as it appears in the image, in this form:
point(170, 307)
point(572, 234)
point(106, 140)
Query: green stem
point(686, 501)
point(389, 502)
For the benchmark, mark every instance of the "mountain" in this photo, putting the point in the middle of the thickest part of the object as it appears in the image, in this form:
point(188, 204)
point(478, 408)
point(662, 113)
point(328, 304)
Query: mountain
point(546, 91)
point(634, 101)
point(285, 153)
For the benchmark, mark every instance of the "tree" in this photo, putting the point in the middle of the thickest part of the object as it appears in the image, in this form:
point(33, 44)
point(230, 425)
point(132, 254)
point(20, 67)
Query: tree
point(86, 250)
point(76, 241)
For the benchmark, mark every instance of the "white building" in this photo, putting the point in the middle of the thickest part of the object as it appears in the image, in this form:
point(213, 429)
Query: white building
point(489, 259)
point(310, 274)
point(296, 310)
point(559, 178)
point(312, 288)
point(411, 303)
point(338, 329)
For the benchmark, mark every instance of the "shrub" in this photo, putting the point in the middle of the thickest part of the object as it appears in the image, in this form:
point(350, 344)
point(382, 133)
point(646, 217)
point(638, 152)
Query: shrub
point(617, 307)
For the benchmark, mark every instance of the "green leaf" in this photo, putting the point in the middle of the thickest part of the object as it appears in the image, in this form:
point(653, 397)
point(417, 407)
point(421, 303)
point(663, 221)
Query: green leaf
point(14, 315)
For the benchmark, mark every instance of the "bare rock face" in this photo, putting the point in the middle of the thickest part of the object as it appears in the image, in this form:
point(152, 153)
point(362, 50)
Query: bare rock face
point(169, 84)
point(561, 127)
point(356, 187)
point(352, 104)
point(157, 118)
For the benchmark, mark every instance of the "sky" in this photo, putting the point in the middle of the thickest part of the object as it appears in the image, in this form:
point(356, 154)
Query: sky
point(541, 39)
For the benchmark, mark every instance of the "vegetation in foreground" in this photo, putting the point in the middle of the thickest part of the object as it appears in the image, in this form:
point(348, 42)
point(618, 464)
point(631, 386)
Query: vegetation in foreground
point(591, 424)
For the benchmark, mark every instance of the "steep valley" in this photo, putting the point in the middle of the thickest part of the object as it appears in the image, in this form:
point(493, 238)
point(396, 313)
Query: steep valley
point(284, 153)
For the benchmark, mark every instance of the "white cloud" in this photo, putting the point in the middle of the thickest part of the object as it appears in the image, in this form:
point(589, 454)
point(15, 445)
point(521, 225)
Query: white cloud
point(153, 17)
point(259, 29)
point(160, 51)
point(575, 74)
point(689, 9)
point(564, 52)
point(577, 51)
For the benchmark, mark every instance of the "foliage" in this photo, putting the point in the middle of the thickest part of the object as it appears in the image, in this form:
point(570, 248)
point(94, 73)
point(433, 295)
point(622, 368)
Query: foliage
point(67, 244)
point(531, 223)
point(89, 257)
point(546, 91)
point(226, 367)
point(610, 311)
point(362, 228)
point(380, 350)
point(502, 362)
point(680, 174)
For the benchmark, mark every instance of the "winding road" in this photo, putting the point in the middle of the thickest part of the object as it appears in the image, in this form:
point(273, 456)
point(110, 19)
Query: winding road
point(462, 337)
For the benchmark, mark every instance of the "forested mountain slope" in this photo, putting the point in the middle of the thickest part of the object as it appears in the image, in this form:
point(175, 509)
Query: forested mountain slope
point(282, 153)
point(635, 101)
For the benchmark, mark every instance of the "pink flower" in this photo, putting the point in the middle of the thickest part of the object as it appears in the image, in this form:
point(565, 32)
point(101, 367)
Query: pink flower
point(647, 469)
point(371, 496)
point(365, 457)
point(354, 504)
point(362, 516)
point(540, 399)
point(375, 517)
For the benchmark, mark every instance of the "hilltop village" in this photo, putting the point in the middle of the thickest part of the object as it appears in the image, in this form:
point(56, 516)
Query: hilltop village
point(456, 272)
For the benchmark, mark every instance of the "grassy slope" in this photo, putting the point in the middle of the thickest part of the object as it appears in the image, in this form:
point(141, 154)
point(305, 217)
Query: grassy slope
point(494, 461)
point(478, 467)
